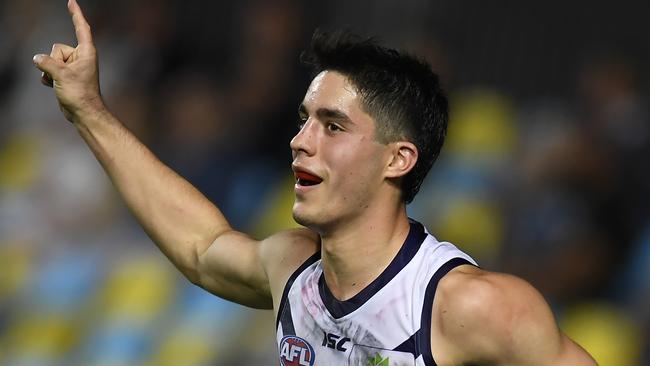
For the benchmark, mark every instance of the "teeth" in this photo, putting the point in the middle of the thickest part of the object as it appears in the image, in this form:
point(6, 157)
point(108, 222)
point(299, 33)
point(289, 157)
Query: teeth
point(306, 179)
point(303, 182)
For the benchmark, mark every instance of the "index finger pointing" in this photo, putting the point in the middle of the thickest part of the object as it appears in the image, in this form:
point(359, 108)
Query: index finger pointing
point(81, 26)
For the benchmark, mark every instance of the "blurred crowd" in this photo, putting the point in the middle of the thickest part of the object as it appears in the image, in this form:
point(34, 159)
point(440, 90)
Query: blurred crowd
point(542, 174)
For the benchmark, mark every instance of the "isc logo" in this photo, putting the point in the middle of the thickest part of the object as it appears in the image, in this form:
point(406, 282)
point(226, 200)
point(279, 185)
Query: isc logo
point(295, 351)
point(334, 341)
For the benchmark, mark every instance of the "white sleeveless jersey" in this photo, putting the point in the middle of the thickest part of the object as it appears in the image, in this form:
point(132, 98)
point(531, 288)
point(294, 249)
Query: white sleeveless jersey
point(388, 323)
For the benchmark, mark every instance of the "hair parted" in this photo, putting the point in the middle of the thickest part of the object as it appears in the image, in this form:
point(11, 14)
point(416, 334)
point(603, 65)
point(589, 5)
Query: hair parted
point(399, 91)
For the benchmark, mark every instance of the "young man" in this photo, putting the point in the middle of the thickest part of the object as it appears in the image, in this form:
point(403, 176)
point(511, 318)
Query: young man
point(357, 285)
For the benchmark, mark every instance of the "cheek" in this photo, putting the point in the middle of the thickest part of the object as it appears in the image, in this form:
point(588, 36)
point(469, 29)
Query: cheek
point(357, 169)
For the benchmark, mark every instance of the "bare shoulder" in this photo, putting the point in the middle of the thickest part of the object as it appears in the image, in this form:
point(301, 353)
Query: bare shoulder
point(496, 318)
point(283, 252)
point(473, 294)
point(289, 246)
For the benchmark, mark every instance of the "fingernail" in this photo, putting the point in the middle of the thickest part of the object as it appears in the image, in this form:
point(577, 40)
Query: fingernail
point(37, 58)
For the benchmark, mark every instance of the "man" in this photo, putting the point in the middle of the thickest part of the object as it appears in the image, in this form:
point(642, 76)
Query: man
point(357, 285)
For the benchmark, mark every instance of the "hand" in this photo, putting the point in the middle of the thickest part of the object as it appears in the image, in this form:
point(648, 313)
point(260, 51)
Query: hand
point(73, 71)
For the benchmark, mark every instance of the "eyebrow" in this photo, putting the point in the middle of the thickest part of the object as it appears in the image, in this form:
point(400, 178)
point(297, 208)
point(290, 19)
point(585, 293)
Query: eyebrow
point(327, 113)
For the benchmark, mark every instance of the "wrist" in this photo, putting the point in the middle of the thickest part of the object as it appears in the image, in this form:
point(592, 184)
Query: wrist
point(90, 110)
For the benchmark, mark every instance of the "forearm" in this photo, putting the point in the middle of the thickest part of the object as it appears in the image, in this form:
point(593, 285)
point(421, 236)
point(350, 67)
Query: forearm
point(178, 218)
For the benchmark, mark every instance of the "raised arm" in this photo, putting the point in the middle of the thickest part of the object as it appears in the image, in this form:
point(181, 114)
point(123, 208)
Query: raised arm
point(496, 319)
point(184, 224)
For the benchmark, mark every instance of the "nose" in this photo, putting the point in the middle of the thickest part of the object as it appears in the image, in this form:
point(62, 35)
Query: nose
point(303, 141)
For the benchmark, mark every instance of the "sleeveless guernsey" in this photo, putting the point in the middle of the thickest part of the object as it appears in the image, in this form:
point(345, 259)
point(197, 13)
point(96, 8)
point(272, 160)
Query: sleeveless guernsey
point(388, 323)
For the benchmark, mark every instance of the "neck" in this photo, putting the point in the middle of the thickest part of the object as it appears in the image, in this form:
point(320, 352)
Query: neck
point(355, 254)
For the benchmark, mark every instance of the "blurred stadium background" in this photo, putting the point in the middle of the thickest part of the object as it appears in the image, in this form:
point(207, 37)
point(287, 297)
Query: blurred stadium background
point(544, 175)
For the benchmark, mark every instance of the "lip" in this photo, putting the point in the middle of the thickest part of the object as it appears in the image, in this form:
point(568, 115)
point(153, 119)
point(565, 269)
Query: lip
point(300, 169)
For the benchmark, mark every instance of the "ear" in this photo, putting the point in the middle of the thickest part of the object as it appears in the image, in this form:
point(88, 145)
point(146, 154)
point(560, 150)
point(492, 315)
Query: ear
point(403, 157)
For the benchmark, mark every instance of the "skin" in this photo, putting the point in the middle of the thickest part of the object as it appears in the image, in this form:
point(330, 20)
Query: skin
point(479, 318)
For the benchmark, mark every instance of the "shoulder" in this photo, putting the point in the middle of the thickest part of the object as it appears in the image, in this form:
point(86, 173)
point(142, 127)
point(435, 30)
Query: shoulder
point(283, 252)
point(474, 292)
point(493, 314)
point(290, 246)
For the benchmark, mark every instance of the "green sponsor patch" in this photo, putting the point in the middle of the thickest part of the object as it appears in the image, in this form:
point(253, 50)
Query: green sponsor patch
point(377, 360)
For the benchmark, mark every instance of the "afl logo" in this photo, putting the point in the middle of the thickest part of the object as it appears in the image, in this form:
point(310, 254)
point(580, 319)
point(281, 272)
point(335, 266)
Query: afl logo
point(295, 351)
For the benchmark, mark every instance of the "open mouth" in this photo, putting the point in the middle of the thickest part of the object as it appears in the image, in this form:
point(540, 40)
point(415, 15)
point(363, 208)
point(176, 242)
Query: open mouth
point(306, 179)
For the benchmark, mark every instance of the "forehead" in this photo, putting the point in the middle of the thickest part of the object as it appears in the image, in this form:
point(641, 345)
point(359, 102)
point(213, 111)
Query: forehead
point(329, 82)
point(332, 90)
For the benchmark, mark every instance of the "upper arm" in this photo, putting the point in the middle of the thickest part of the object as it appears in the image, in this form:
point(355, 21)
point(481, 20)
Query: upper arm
point(500, 319)
point(239, 268)
point(572, 354)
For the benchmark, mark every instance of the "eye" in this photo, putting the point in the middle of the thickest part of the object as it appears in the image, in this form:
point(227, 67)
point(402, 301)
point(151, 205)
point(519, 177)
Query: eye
point(332, 127)
point(301, 122)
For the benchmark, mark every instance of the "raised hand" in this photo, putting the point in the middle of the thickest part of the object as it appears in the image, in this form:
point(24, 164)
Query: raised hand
point(73, 71)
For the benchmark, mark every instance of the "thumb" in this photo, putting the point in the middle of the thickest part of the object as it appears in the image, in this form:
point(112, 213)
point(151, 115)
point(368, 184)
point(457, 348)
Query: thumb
point(48, 65)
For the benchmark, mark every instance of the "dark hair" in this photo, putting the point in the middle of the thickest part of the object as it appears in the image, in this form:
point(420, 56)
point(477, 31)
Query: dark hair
point(398, 90)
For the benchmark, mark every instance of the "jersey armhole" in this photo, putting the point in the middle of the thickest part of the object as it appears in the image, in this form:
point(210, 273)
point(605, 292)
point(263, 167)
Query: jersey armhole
point(424, 343)
point(311, 260)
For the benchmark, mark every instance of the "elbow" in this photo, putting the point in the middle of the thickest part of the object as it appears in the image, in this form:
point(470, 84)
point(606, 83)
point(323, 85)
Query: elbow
point(192, 274)
point(193, 265)
point(190, 267)
point(194, 278)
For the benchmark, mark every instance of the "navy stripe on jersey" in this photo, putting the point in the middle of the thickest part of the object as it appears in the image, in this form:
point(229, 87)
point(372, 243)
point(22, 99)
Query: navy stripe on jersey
point(287, 320)
point(424, 341)
point(339, 309)
point(410, 345)
point(284, 301)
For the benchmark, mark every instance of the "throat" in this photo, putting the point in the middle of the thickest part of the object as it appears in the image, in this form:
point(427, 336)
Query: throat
point(344, 289)
point(345, 276)
point(350, 266)
point(356, 255)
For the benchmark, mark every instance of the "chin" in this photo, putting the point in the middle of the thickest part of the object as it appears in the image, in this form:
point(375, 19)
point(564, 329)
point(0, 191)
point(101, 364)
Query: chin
point(302, 218)
point(309, 220)
point(318, 222)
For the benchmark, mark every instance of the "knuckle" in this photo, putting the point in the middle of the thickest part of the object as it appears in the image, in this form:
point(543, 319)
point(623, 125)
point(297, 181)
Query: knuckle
point(55, 48)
